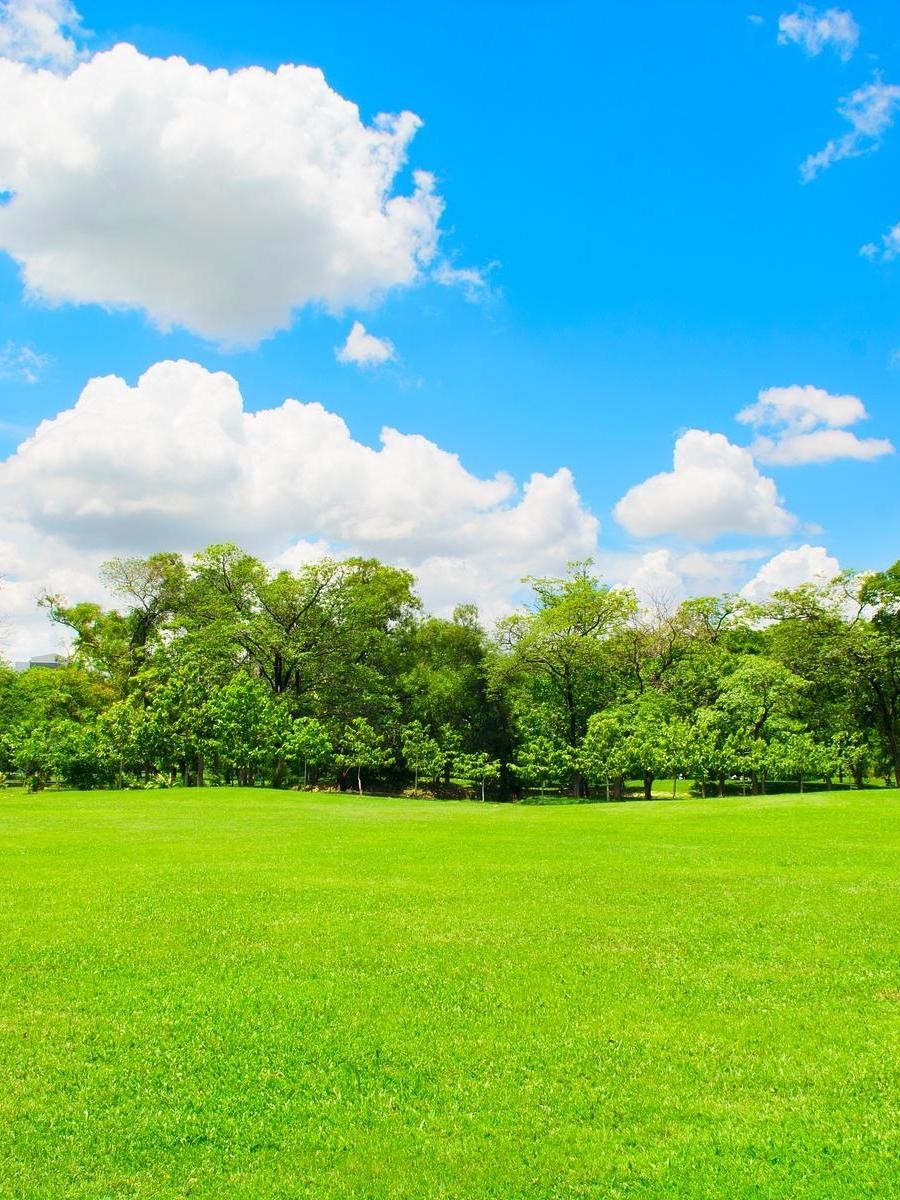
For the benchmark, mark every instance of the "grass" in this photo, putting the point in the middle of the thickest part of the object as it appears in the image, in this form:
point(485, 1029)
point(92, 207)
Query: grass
point(275, 996)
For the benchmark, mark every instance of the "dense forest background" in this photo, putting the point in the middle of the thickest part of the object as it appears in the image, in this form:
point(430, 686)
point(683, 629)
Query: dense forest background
point(220, 671)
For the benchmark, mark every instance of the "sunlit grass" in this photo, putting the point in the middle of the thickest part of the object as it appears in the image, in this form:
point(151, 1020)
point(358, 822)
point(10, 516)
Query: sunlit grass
point(272, 996)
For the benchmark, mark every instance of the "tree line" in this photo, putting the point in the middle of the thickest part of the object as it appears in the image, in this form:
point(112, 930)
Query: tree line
point(219, 670)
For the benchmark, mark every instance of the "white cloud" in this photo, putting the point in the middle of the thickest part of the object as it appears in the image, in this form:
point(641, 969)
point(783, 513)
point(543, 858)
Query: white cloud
point(35, 31)
point(824, 445)
point(805, 564)
point(364, 349)
point(814, 30)
point(714, 489)
point(667, 576)
point(870, 111)
point(22, 363)
point(889, 248)
point(802, 408)
point(806, 425)
point(474, 281)
point(176, 461)
point(214, 200)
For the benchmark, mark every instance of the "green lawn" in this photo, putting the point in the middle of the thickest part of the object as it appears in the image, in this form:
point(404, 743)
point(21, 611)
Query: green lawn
point(273, 996)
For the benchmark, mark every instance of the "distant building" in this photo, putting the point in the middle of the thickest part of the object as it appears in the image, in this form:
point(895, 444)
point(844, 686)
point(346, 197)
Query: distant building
point(51, 661)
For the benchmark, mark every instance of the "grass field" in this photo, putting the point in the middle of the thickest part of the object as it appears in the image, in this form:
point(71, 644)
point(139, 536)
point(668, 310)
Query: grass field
point(273, 996)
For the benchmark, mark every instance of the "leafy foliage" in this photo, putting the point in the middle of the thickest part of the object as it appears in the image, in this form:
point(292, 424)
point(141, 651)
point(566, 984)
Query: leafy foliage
point(219, 670)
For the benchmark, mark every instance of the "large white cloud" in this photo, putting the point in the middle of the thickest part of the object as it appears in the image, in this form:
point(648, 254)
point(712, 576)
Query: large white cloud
point(176, 461)
point(219, 201)
point(805, 424)
point(714, 489)
point(805, 564)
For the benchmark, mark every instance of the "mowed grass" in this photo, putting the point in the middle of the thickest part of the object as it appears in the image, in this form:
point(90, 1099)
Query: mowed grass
point(273, 996)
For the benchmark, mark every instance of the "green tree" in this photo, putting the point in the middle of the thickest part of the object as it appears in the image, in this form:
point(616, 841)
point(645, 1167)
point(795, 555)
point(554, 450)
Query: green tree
point(423, 755)
point(604, 755)
point(479, 768)
point(558, 652)
point(307, 741)
point(362, 748)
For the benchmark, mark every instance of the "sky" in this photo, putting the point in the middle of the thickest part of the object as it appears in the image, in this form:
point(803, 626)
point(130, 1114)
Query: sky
point(479, 289)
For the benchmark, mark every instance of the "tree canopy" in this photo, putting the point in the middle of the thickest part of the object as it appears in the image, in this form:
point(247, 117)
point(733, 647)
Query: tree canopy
point(221, 670)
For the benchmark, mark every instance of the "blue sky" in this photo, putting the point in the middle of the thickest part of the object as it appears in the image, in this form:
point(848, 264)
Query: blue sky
point(626, 183)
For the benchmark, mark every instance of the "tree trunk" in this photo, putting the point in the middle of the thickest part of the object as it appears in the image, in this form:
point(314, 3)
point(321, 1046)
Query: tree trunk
point(200, 770)
point(619, 787)
point(721, 785)
point(648, 786)
point(359, 779)
point(278, 772)
point(857, 776)
point(703, 789)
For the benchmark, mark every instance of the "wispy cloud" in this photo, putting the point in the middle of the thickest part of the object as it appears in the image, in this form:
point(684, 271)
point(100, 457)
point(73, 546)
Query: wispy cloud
point(815, 31)
point(22, 363)
point(889, 248)
point(474, 281)
point(870, 111)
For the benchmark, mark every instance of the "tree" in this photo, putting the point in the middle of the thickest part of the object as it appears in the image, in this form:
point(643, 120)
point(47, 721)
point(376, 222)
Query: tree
point(543, 761)
point(759, 699)
point(242, 726)
point(421, 752)
point(558, 651)
point(796, 755)
point(362, 748)
point(479, 767)
point(604, 754)
point(34, 755)
point(117, 645)
point(323, 634)
point(877, 653)
point(307, 741)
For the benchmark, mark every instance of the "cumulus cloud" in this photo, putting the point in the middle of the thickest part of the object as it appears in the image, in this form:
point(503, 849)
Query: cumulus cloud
point(39, 32)
point(364, 349)
point(664, 575)
point(814, 30)
point(806, 424)
point(790, 568)
point(714, 488)
point(177, 461)
point(870, 111)
point(219, 201)
point(22, 363)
